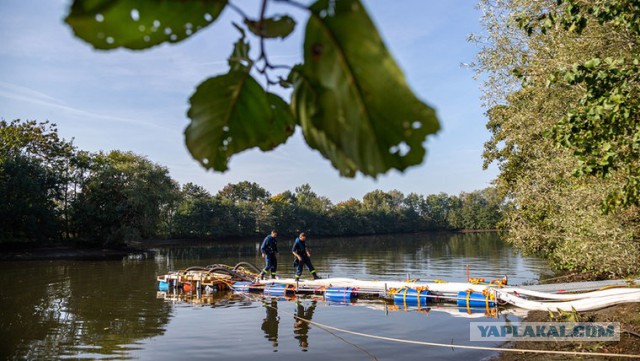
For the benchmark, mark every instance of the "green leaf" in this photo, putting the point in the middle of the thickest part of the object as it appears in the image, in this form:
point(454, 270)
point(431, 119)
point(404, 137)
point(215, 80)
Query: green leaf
point(110, 24)
point(239, 59)
point(351, 98)
point(303, 102)
point(569, 77)
point(231, 113)
point(276, 27)
point(282, 123)
point(592, 63)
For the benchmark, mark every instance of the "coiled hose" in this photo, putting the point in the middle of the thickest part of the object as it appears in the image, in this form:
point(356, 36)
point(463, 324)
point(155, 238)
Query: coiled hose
point(243, 271)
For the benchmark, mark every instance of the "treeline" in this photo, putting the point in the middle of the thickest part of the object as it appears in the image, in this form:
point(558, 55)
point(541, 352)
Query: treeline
point(246, 209)
point(52, 192)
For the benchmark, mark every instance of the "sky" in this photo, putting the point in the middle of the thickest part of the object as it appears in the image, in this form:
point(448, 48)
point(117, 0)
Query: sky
point(137, 100)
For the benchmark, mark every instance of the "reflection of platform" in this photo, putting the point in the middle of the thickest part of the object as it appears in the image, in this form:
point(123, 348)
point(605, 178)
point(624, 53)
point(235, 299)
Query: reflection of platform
point(224, 298)
point(194, 298)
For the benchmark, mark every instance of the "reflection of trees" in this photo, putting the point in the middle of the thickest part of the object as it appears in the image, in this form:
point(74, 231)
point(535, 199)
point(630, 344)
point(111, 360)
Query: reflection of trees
point(230, 253)
point(376, 255)
point(99, 306)
point(438, 255)
point(418, 254)
point(300, 327)
point(31, 308)
point(132, 312)
point(271, 321)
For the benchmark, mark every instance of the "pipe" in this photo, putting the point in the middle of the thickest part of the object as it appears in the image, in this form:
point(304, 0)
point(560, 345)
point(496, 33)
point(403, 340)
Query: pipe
point(585, 304)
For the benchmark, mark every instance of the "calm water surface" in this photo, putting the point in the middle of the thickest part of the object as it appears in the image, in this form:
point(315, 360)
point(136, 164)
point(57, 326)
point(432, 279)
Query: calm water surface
point(112, 310)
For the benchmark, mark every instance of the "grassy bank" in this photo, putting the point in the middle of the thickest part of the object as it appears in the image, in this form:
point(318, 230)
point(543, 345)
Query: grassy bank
point(628, 315)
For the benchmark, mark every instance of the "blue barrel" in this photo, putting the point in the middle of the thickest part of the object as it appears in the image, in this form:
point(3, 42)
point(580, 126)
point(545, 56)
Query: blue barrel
point(241, 286)
point(411, 297)
point(163, 286)
point(475, 299)
point(340, 294)
point(277, 289)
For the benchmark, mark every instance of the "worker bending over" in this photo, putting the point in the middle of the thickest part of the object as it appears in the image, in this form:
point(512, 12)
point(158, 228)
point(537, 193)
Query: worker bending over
point(303, 257)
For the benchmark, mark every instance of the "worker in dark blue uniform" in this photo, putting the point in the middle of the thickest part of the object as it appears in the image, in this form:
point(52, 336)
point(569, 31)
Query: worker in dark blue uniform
point(269, 249)
point(303, 257)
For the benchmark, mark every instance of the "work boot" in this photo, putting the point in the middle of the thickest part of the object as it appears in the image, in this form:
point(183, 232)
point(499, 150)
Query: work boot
point(316, 277)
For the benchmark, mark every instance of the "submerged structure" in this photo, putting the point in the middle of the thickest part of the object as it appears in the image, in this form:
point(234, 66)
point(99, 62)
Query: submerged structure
point(474, 296)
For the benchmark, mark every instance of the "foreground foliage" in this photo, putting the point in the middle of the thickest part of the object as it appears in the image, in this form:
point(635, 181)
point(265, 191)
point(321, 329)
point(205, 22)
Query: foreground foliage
point(340, 95)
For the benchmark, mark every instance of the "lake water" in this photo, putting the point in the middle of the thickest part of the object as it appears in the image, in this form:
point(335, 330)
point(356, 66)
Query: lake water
point(111, 309)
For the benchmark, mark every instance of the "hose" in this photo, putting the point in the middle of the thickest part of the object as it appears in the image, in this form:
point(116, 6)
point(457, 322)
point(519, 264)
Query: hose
point(195, 268)
point(568, 296)
point(247, 265)
point(585, 304)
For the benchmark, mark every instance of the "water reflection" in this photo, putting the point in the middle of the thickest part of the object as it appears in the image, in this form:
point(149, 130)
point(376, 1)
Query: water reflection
point(300, 327)
point(77, 308)
point(305, 306)
point(424, 256)
point(271, 321)
point(98, 309)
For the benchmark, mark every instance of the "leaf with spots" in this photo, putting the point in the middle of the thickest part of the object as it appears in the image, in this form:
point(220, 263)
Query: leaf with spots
point(231, 113)
point(110, 24)
point(275, 27)
point(351, 98)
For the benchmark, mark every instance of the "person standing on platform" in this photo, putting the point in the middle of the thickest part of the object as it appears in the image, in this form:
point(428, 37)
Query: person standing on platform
point(303, 257)
point(269, 249)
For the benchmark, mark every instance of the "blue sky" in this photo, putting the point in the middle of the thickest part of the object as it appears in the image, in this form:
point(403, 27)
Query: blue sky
point(138, 101)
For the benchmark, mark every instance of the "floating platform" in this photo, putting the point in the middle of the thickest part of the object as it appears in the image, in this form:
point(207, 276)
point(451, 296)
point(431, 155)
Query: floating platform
point(476, 294)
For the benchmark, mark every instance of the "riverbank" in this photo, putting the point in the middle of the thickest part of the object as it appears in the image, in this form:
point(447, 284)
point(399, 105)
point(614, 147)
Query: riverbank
point(628, 315)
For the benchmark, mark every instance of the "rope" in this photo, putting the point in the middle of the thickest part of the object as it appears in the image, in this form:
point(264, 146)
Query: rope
point(345, 341)
point(424, 343)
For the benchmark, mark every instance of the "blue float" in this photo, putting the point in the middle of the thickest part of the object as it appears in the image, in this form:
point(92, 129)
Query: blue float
point(163, 286)
point(411, 297)
point(277, 289)
point(474, 299)
point(340, 294)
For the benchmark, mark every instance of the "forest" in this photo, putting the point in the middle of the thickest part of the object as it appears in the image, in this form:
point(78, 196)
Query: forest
point(53, 193)
point(561, 84)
